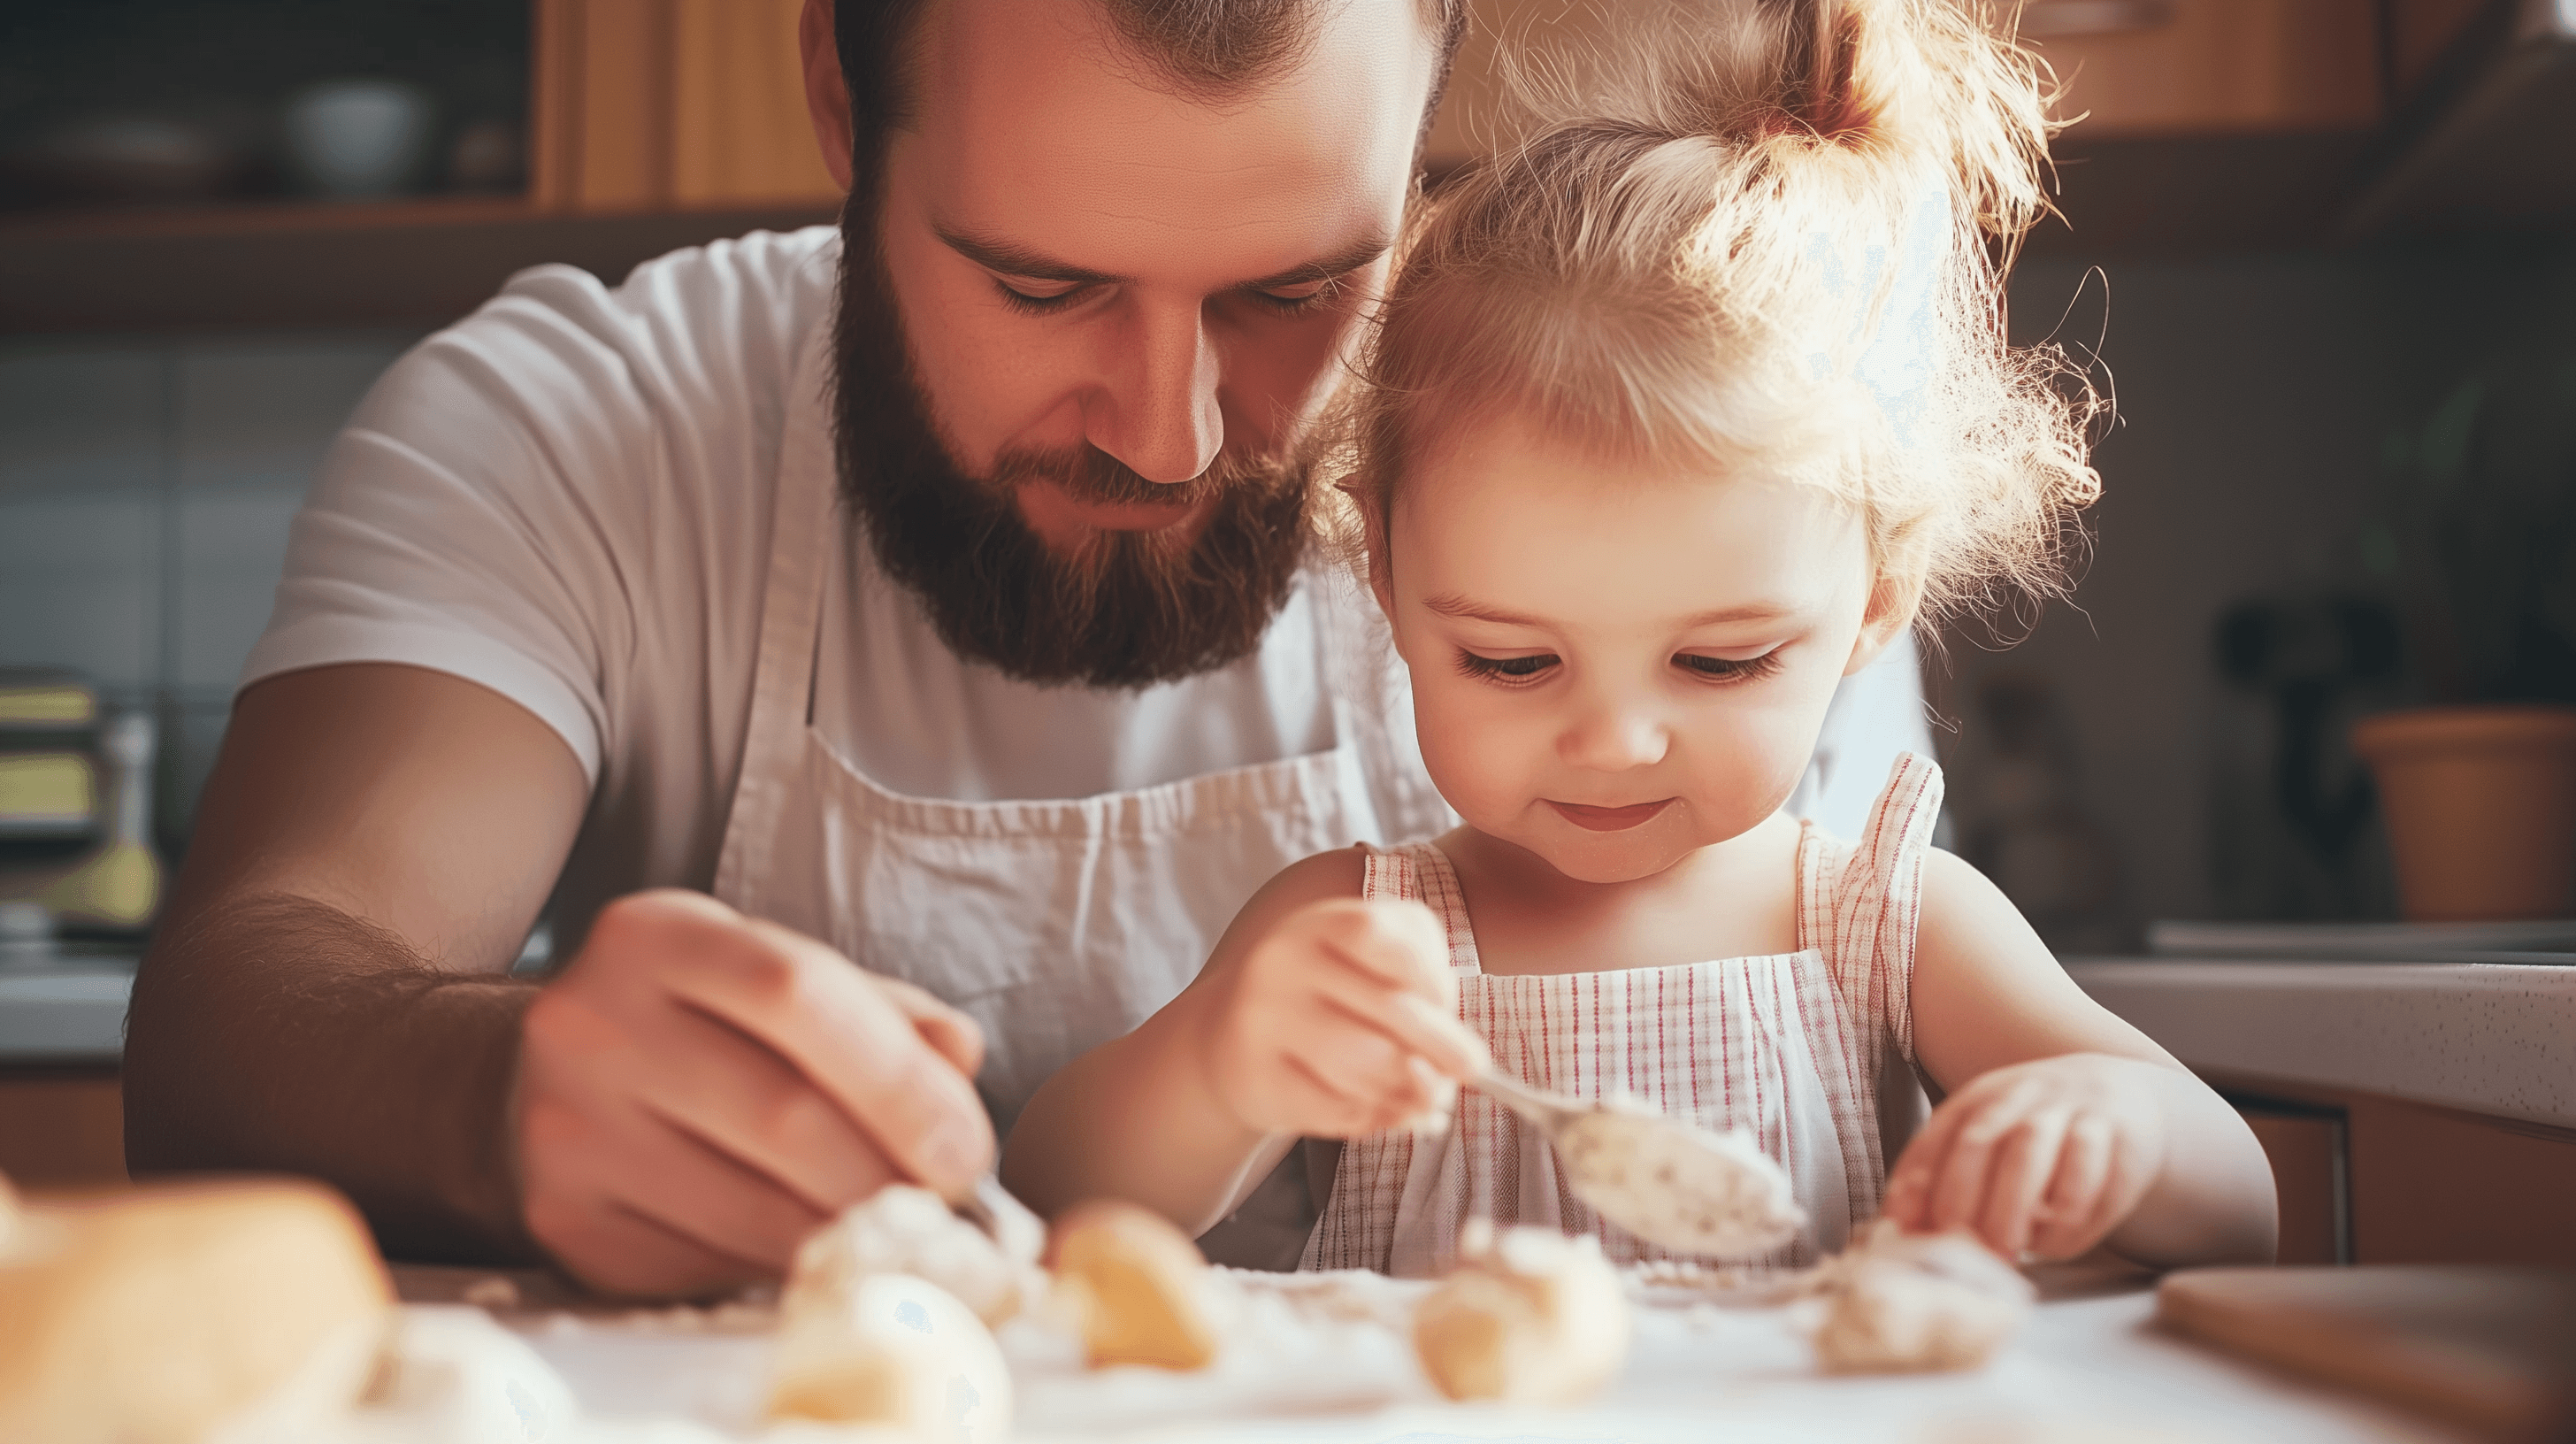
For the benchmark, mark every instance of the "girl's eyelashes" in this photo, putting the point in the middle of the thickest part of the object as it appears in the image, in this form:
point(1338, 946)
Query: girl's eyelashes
point(1508, 671)
point(1729, 669)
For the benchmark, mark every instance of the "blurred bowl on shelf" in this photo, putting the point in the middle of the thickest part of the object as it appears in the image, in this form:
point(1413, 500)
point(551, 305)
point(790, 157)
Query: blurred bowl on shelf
point(359, 139)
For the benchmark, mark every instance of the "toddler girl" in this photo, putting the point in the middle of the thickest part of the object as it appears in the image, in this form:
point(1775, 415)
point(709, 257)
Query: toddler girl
point(1676, 415)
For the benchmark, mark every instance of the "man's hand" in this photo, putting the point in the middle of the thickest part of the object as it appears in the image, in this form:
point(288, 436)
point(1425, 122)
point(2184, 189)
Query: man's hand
point(1341, 1021)
point(2046, 1157)
point(699, 1090)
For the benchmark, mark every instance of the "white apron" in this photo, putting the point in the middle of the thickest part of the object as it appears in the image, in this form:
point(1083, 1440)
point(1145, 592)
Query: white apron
point(1056, 924)
point(1810, 1052)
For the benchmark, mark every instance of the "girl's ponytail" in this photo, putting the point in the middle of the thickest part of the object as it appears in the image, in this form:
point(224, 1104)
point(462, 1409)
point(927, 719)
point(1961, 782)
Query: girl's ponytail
point(1763, 236)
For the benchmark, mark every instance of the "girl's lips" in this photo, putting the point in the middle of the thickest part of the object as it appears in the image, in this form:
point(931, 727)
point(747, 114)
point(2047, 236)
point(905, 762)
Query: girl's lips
point(1609, 819)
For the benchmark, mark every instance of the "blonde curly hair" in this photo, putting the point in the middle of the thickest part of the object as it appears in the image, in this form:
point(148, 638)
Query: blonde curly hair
point(1772, 240)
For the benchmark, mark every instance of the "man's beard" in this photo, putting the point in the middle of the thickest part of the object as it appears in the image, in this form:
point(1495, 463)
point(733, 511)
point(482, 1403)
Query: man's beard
point(1126, 609)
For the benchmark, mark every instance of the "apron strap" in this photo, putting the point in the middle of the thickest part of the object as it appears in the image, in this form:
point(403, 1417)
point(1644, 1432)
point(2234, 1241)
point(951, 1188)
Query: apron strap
point(801, 537)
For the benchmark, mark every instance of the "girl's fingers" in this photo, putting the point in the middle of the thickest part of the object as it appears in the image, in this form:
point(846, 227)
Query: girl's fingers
point(1911, 1186)
point(1408, 1020)
point(1958, 1195)
point(2024, 1166)
point(1402, 944)
point(2083, 1166)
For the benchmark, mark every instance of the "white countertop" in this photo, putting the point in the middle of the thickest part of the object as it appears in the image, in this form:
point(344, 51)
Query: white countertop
point(2487, 1037)
point(2090, 1364)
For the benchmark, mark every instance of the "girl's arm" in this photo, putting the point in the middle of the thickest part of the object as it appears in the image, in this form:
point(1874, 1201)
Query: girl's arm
point(1317, 1014)
point(2062, 1126)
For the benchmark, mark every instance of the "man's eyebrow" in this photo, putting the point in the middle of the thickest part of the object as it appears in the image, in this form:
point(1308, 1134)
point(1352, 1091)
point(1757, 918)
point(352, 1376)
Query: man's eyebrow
point(1009, 258)
point(1349, 258)
point(1452, 604)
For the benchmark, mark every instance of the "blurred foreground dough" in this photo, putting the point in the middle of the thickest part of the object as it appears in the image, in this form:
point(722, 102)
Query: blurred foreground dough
point(1139, 1286)
point(896, 1350)
point(168, 1315)
point(1529, 1317)
point(901, 1229)
point(1912, 1303)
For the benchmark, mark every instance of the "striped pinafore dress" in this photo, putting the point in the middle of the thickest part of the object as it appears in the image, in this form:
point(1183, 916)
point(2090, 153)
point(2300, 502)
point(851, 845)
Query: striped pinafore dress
point(1807, 1051)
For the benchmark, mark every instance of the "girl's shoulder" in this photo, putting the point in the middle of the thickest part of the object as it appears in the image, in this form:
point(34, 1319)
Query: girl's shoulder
point(1336, 874)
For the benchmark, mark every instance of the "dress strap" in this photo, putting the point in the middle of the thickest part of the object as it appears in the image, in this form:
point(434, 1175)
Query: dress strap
point(1420, 872)
point(1859, 904)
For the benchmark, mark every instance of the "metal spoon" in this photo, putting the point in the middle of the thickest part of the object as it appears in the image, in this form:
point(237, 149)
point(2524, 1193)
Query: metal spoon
point(1003, 1219)
point(1669, 1182)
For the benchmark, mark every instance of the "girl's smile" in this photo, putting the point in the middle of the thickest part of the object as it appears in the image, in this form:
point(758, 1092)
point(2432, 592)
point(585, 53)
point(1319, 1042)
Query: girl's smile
point(1611, 819)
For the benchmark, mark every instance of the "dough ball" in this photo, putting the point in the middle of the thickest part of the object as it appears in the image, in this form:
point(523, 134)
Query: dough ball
point(458, 1377)
point(1138, 1285)
point(902, 1229)
point(1911, 1303)
point(894, 1350)
point(172, 1313)
point(1529, 1317)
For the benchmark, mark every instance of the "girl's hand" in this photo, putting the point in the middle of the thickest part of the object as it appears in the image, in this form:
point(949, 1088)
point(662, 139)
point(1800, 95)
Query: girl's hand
point(2045, 1157)
point(1342, 1021)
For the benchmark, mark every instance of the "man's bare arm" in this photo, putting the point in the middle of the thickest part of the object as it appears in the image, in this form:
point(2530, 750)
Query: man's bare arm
point(689, 1098)
point(327, 993)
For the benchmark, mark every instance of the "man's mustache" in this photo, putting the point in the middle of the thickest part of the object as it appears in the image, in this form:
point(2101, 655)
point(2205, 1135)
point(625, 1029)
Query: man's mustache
point(1090, 475)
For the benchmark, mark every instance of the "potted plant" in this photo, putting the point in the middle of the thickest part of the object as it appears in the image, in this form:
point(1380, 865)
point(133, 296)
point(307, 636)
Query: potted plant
point(2479, 539)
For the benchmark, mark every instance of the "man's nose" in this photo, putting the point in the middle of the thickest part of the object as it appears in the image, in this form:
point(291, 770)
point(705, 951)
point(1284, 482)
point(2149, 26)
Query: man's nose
point(1614, 735)
point(1158, 411)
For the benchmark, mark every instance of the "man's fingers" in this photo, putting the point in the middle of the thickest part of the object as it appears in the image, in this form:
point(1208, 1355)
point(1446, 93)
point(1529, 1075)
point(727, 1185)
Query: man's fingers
point(959, 1038)
point(741, 1099)
point(837, 1025)
point(721, 1223)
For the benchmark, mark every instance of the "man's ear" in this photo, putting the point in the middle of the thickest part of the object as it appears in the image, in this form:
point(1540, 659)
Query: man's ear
point(1893, 602)
point(827, 93)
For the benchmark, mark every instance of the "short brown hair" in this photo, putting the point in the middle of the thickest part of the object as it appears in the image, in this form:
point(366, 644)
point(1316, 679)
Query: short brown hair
point(1205, 48)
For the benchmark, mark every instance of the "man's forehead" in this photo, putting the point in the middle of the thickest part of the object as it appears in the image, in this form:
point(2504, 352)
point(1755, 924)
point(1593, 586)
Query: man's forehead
point(1038, 125)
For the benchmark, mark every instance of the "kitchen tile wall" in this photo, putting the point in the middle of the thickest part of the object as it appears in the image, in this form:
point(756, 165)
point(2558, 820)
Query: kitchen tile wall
point(146, 486)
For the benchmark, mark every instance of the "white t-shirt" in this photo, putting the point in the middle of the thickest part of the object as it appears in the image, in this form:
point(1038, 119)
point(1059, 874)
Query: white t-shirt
point(566, 498)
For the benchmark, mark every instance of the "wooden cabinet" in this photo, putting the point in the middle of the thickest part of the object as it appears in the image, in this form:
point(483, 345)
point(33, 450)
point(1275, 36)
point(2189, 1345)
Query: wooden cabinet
point(2376, 1180)
point(2208, 67)
point(62, 1128)
point(655, 124)
point(671, 104)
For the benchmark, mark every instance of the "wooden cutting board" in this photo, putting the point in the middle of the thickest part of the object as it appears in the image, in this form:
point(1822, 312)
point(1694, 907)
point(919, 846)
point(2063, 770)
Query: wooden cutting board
point(2489, 1348)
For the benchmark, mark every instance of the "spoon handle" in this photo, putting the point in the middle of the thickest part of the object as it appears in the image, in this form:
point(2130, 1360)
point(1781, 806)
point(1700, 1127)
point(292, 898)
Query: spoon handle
point(1544, 1110)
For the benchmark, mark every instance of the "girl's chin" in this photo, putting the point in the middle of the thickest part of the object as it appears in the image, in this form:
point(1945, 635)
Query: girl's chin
point(1603, 860)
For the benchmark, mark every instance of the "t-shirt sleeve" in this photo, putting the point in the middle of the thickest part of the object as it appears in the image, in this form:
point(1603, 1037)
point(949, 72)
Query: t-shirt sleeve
point(517, 493)
point(464, 520)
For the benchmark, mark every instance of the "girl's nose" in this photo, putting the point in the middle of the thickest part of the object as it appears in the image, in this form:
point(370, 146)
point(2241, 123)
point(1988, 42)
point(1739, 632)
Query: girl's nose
point(1615, 739)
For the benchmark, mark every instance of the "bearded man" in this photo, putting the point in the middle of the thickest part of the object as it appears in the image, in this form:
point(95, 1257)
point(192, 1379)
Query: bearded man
point(889, 654)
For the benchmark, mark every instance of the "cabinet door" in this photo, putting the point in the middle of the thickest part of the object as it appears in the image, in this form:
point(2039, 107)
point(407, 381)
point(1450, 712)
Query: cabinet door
point(2306, 1147)
point(645, 105)
point(2210, 67)
point(62, 1130)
